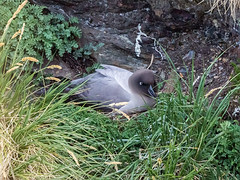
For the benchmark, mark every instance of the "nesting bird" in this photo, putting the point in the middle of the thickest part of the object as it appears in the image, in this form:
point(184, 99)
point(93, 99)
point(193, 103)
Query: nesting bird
point(114, 87)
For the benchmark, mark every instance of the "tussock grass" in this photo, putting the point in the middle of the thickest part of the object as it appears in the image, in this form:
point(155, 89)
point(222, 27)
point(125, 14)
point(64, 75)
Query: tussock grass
point(45, 138)
point(38, 141)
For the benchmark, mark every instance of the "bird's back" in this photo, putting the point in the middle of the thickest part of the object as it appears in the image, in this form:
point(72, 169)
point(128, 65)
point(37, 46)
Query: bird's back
point(105, 86)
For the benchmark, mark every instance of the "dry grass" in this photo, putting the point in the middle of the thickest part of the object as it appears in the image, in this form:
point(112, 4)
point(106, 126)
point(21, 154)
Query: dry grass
point(231, 6)
point(54, 67)
point(9, 153)
point(13, 17)
point(29, 59)
point(7, 148)
point(12, 69)
point(53, 79)
point(16, 34)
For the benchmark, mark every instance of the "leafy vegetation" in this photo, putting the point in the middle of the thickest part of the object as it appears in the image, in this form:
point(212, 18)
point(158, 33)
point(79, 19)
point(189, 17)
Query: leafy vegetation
point(43, 137)
point(45, 33)
point(227, 153)
point(236, 74)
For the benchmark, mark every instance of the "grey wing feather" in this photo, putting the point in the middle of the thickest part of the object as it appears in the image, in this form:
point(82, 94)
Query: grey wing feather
point(109, 70)
point(98, 87)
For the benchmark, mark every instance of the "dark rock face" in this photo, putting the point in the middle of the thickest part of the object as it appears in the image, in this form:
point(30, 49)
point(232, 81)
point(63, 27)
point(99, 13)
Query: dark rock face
point(113, 23)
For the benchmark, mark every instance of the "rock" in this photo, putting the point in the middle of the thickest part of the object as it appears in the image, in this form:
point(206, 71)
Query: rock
point(162, 75)
point(182, 20)
point(160, 7)
point(183, 70)
point(65, 72)
point(189, 56)
point(114, 23)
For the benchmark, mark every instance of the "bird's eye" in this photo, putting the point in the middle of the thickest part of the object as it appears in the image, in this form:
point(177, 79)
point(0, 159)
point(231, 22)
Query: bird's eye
point(140, 83)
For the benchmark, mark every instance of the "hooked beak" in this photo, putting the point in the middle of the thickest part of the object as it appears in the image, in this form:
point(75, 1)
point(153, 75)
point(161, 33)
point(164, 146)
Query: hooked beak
point(151, 92)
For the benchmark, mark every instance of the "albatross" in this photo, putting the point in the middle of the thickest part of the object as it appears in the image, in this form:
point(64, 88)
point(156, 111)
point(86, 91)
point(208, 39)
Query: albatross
point(114, 87)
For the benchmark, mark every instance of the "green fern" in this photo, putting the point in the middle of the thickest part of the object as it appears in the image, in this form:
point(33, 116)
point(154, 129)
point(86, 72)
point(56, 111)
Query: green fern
point(44, 34)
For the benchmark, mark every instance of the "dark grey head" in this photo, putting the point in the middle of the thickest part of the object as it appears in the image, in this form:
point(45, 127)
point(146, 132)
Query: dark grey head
point(143, 82)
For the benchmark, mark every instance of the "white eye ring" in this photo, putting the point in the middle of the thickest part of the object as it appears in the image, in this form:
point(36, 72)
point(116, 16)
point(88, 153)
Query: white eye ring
point(140, 83)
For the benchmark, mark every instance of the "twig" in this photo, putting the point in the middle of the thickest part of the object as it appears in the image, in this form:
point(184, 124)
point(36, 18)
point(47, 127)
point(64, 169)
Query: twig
point(151, 62)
